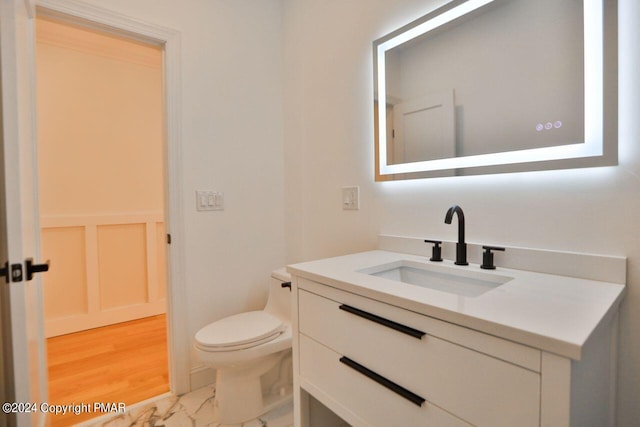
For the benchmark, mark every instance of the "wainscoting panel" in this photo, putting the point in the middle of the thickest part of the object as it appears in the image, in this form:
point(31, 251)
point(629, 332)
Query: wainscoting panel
point(105, 269)
point(161, 261)
point(122, 265)
point(66, 284)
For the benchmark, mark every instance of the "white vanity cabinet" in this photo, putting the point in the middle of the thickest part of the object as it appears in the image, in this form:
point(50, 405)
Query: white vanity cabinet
point(346, 340)
point(375, 363)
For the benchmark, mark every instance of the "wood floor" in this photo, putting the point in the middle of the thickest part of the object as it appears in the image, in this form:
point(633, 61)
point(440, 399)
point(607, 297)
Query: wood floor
point(126, 362)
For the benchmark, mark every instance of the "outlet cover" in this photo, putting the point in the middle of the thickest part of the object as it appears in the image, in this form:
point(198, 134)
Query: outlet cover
point(351, 198)
point(209, 201)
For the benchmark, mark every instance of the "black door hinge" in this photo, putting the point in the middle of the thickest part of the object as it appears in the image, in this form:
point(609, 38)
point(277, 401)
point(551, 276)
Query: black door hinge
point(168, 239)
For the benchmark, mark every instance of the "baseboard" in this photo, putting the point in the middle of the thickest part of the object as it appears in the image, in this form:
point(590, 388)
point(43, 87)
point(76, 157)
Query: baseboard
point(201, 376)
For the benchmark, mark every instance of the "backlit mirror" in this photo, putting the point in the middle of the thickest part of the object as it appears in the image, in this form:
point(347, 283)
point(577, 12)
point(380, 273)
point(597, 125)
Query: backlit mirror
point(485, 86)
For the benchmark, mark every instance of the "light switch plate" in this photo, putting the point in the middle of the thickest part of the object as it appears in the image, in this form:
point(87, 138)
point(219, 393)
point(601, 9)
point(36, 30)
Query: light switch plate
point(209, 200)
point(351, 198)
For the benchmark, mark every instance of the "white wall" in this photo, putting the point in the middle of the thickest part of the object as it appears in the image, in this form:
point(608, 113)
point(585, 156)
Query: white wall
point(329, 144)
point(99, 111)
point(232, 142)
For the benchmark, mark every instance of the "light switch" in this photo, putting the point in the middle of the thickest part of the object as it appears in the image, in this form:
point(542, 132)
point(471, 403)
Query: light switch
point(218, 201)
point(351, 198)
point(209, 201)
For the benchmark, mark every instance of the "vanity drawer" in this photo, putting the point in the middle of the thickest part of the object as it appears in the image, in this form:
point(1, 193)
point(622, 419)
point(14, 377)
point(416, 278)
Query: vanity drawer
point(478, 388)
point(364, 401)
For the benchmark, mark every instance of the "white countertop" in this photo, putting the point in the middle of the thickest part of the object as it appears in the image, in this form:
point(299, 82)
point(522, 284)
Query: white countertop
point(546, 311)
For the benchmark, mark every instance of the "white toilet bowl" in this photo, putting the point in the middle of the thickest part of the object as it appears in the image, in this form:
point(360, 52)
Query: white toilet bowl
point(252, 355)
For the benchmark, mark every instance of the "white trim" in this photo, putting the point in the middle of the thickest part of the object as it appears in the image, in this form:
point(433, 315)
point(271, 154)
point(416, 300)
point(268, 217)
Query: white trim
point(104, 19)
point(30, 6)
point(202, 376)
point(62, 325)
point(57, 221)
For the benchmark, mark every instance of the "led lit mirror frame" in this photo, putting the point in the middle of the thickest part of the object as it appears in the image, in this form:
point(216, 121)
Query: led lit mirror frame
point(600, 102)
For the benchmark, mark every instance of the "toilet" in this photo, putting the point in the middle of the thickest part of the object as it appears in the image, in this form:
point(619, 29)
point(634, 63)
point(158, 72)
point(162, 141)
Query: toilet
point(251, 353)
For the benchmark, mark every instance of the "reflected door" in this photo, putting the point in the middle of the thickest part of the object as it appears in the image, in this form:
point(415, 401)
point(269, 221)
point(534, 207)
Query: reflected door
point(424, 129)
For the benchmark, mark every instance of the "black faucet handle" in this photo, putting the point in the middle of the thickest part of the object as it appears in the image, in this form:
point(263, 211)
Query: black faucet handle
point(487, 257)
point(436, 251)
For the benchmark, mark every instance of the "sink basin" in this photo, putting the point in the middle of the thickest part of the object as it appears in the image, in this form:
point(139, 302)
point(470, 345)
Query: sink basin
point(453, 280)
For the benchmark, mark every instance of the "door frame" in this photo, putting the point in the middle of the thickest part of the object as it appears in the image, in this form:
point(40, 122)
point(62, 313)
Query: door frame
point(106, 20)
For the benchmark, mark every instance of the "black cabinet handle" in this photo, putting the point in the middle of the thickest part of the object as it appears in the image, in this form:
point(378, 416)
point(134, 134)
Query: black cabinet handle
point(410, 396)
point(382, 321)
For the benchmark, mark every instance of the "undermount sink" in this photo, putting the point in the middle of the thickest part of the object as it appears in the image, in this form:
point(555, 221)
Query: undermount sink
point(441, 278)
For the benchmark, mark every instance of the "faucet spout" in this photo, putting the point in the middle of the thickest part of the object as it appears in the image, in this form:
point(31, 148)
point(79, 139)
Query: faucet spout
point(449, 217)
point(461, 246)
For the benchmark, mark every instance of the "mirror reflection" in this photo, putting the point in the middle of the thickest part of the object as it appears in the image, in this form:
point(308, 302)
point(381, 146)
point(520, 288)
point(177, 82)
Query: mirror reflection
point(505, 77)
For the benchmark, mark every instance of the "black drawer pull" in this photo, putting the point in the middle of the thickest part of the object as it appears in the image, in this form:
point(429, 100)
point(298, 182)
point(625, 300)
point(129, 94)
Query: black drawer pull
point(382, 321)
point(412, 397)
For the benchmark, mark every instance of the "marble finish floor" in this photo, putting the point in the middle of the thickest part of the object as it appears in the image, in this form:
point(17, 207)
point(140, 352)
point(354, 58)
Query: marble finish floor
point(194, 409)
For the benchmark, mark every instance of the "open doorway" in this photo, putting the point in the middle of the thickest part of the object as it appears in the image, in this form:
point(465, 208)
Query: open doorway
point(101, 174)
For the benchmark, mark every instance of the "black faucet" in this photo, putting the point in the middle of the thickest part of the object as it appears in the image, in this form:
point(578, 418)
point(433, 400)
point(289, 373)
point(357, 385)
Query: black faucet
point(461, 246)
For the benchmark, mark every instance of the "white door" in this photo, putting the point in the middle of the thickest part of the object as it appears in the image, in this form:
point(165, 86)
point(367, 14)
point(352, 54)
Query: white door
point(424, 128)
point(25, 356)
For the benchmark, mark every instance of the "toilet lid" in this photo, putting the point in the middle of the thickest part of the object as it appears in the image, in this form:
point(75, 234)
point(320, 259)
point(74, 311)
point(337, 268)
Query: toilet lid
point(239, 331)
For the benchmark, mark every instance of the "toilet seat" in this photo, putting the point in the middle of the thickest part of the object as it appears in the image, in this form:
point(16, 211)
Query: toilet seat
point(239, 331)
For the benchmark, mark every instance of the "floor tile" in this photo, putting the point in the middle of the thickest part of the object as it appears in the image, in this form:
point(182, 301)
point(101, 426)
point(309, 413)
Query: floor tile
point(191, 409)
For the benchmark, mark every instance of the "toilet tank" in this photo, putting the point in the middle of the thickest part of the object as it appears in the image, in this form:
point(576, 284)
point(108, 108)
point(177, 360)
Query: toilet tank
point(279, 302)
